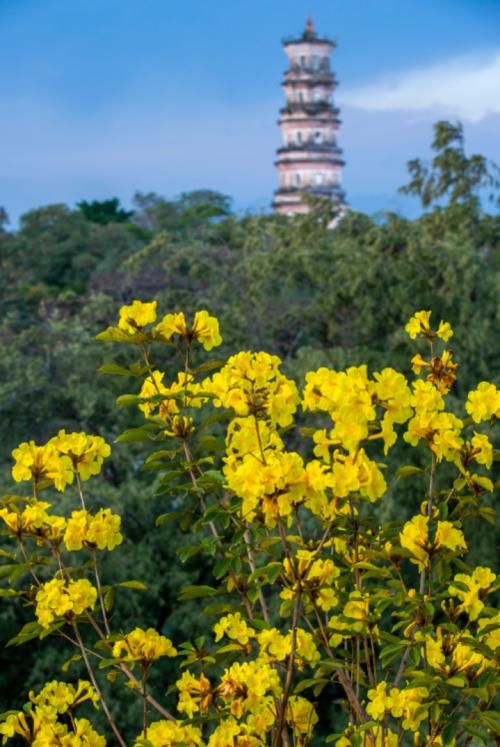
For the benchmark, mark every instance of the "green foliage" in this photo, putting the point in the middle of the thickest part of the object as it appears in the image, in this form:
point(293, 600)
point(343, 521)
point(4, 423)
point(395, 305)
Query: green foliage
point(291, 286)
point(104, 211)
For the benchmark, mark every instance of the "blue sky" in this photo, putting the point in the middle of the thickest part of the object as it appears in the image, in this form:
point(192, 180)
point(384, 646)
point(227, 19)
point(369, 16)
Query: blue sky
point(104, 97)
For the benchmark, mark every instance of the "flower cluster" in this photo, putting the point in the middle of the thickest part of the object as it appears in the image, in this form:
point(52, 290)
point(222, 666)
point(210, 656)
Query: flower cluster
point(414, 537)
point(58, 598)
point(49, 718)
point(204, 329)
point(144, 646)
point(389, 613)
point(419, 324)
point(471, 590)
point(406, 704)
point(34, 520)
point(60, 459)
point(252, 384)
point(101, 531)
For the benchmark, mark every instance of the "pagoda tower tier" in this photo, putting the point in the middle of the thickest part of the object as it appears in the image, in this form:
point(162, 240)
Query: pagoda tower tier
point(309, 160)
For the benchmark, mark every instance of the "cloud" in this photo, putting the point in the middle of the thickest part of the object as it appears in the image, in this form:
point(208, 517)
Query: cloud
point(466, 87)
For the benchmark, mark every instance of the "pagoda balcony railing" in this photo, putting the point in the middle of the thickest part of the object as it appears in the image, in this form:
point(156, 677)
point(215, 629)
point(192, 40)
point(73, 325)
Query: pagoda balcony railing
point(310, 144)
point(320, 74)
point(327, 190)
point(309, 107)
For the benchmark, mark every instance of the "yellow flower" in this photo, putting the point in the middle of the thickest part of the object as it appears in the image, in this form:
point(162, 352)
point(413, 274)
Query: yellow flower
point(418, 324)
point(300, 715)
point(243, 685)
point(34, 520)
point(136, 316)
point(58, 697)
point(478, 584)
point(273, 646)
point(204, 329)
point(38, 463)
point(171, 734)
point(143, 645)
point(15, 723)
point(56, 598)
point(252, 384)
point(86, 453)
point(482, 449)
point(271, 488)
point(434, 650)
point(82, 595)
point(425, 397)
point(101, 531)
point(418, 363)
point(483, 403)
point(414, 538)
point(195, 694)
point(234, 627)
point(447, 536)
point(380, 702)
point(400, 703)
point(444, 331)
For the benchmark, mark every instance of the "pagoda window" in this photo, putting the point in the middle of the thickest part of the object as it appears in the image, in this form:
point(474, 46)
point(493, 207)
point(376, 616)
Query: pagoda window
point(299, 137)
point(319, 178)
point(317, 96)
point(318, 136)
point(315, 62)
point(302, 60)
point(297, 180)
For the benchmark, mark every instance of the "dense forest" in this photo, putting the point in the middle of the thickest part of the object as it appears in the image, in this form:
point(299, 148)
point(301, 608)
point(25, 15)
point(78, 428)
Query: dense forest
point(292, 286)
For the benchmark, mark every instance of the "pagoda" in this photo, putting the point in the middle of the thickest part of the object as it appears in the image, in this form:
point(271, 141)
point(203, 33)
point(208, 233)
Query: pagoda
point(309, 160)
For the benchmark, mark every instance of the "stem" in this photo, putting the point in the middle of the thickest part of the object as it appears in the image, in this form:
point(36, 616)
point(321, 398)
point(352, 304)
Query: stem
point(99, 592)
point(28, 561)
point(289, 673)
point(344, 680)
point(145, 702)
point(259, 440)
point(105, 707)
point(80, 491)
point(251, 563)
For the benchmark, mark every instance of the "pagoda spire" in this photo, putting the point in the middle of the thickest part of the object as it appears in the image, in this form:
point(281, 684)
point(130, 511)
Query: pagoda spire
point(309, 160)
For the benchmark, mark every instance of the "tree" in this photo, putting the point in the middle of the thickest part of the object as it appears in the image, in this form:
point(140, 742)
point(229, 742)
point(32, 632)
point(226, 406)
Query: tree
point(453, 176)
point(104, 211)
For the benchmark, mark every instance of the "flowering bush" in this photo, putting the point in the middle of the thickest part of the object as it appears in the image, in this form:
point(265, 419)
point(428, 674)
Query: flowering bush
point(313, 596)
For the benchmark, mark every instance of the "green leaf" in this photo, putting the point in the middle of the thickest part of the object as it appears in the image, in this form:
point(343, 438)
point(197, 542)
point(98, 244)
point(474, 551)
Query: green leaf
point(29, 631)
point(307, 683)
point(196, 592)
point(456, 681)
point(127, 400)
point(133, 434)
point(267, 573)
point(114, 369)
point(209, 366)
point(221, 568)
point(138, 585)
point(14, 570)
point(389, 653)
point(408, 471)
point(188, 551)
